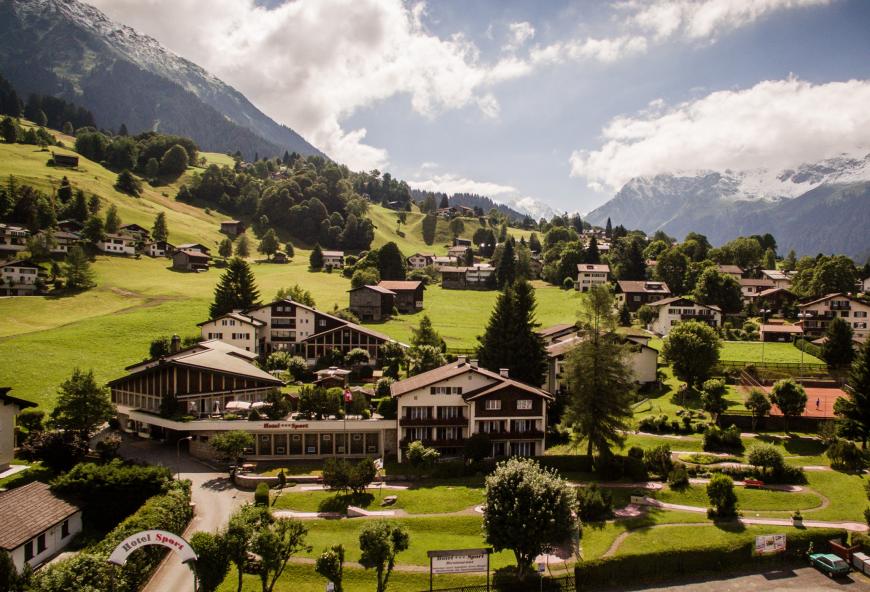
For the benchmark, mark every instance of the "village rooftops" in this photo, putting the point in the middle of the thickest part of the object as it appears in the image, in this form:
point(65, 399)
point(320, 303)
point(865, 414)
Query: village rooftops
point(643, 287)
point(28, 511)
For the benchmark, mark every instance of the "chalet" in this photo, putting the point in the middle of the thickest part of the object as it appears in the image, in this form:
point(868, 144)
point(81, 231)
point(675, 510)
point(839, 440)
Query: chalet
point(820, 312)
point(37, 524)
point(780, 279)
point(420, 260)
point(232, 228)
point(372, 303)
point(775, 299)
point(10, 407)
point(333, 259)
point(635, 294)
point(444, 407)
point(20, 278)
point(751, 288)
point(190, 260)
point(780, 332)
point(141, 233)
point(409, 294)
point(675, 310)
point(332, 377)
point(591, 274)
point(236, 329)
point(202, 378)
point(62, 241)
point(118, 244)
point(64, 160)
point(70, 225)
point(194, 247)
point(13, 239)
point(734, 271)
point(642, 359)
point(159, 249)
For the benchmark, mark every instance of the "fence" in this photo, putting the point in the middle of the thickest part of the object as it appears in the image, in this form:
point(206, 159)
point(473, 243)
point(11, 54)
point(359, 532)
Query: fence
point(563, 584)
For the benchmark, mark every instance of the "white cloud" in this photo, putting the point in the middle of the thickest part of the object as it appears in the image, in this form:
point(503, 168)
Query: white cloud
point(449, 183)
point(775, 124)
point(518, 35)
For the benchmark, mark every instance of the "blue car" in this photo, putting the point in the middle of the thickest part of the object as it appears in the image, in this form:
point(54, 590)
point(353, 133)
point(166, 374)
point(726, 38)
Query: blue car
point(829, 564)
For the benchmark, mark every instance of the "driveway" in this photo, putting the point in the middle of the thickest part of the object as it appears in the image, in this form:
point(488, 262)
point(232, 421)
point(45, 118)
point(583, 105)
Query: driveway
point(215, 498)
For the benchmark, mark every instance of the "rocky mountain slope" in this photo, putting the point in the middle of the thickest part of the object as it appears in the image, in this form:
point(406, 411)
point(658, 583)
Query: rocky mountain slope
point(72, 50)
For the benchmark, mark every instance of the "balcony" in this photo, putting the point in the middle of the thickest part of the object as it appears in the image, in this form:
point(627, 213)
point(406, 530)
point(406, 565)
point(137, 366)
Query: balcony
point(432, 421)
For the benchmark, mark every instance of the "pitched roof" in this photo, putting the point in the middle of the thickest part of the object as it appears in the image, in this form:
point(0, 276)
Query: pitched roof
point(30, 510)
point(5, 397)
point(633, 286)
point(400, 286)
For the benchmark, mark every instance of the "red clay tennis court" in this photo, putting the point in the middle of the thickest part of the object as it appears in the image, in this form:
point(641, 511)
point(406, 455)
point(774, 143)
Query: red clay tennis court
point(820, 401)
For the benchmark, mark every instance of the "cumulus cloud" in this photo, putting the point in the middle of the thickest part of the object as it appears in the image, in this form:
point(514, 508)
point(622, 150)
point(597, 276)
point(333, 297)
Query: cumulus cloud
point(450, 183)
point(774, 124)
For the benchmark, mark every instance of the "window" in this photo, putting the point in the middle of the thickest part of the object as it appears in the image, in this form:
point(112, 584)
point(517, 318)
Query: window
point(524, 405)
point(493, 404)
point(64, 529)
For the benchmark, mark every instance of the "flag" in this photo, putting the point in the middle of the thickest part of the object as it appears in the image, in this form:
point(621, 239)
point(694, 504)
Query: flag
point(348, 396)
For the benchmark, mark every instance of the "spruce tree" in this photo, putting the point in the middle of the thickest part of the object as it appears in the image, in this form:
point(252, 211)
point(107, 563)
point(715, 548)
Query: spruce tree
point(855, 410)
point(160, 232)
point(506, 272)
point(315, 261)
point(235, 290)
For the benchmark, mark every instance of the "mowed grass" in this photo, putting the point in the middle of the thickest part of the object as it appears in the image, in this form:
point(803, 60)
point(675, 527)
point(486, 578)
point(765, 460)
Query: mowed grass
point(422, 500)
point(756, 351)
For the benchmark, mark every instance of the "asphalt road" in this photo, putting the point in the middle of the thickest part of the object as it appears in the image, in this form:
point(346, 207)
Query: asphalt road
point(214, 496)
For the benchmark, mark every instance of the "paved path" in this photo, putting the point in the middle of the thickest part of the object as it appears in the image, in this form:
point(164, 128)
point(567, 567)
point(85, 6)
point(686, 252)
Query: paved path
point(215, 498)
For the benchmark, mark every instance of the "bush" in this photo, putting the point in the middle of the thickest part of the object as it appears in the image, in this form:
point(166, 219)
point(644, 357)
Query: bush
point(261, 495)
point(727, 439)
point(594, 504)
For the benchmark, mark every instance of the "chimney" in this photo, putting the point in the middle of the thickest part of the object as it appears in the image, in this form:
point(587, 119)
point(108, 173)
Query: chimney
point(504, 372)
point(175, 344)
point(473, 363)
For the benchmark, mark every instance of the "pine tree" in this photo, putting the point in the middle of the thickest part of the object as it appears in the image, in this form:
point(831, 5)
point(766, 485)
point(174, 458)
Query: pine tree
point(315, 260)
point(506, 272)
point(113, 220)
point(235, 290)
point(856, 409)
point(78, 273)
point(160, 232)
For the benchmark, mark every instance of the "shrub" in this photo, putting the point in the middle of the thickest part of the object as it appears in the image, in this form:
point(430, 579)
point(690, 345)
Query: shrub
point(594, 504)
point(716, 438)
point(261, 495)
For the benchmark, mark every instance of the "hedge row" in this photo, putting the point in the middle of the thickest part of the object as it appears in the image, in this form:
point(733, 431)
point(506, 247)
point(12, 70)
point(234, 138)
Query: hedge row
point(659, 565)
point(89, 572)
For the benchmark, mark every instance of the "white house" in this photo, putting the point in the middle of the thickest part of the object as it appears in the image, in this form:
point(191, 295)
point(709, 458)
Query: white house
point(333, 259)
point(673, 311)
point(37, 525)
point(447, 405)
point(235, 328)
point(19, 278)
point(420, 260)
point(118, 244)
point(9, 408)
point(591, 274)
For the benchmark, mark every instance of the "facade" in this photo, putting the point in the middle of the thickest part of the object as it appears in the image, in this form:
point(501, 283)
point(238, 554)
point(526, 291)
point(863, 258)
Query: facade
point(673, 311)
point(780, 279)
point(10, 407)
point(190, 260)
point(446, 406)
point(591, 274)
point(118, 244)
point(780, 332)
point(37, 525)
point(635, 294)
point(12, 239)
point(333, 259)
point(232, 228)
point(372, 303)
point(19, 278)
point(236, 329)
point(420, 260)
point(750, 288)
point(822, 311)
point(408, 294)
point(159, 249)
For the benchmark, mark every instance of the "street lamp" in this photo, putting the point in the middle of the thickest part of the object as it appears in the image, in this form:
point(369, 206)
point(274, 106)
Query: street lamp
point(178, 455)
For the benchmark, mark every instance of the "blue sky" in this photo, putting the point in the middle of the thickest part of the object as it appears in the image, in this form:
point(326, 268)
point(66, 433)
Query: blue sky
point(559, 102)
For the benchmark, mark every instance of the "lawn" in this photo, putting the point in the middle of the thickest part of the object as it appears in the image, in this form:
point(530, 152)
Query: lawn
point(421, 500)
point(756, 351)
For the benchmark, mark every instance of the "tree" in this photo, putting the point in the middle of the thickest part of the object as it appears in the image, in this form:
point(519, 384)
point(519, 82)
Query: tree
point(765, 457)
point(296, 293)
point(160, 232)
point(693, 349)
point(275, 543)
point(330, 565)
point(719, 289)
point(77, 271)
point(713, 398)
point(212, 560)
point(506, 272)
point(113, 220)
point(838, 350)
point(268, 244)
point(720, 492)
point(315, 260)
point(758, 405)
point(128, 183)
point(82, 404)
point(235, 290)
point(790, 397)
point(856, 409)
point(391, 262)
point(528, 510)
point(230, 446)
point(174, 162)
point(243, 246)
point(380, 542)
point(225, 249)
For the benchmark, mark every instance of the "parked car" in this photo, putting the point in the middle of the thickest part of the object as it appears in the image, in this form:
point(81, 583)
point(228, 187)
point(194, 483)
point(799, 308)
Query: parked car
point(829, 564)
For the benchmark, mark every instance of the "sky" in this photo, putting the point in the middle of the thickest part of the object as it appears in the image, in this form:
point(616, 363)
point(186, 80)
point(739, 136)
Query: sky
point(557, 103)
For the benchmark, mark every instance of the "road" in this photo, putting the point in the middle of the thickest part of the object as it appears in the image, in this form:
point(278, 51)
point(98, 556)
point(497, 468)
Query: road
point(806, 579)
point(214, 496)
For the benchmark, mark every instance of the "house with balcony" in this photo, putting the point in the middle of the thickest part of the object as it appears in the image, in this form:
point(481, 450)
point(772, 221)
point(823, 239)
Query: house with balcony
point(444, 407)
point(409, 294)
point(20, 278)
point(673, 311)
point(819, 313)
point(372, 303)
point(12, 239)
point(591, 274)
point(635, 294)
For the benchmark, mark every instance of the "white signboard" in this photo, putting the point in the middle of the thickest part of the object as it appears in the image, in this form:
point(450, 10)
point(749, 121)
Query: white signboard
point(768, 544)
point(152, 537)
point(459, 561)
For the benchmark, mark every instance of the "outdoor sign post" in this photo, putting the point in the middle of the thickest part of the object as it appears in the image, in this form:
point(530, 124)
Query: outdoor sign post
point(144, 538)
point(458, 561)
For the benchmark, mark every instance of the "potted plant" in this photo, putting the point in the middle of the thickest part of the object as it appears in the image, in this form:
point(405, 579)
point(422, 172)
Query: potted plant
point(797, 519)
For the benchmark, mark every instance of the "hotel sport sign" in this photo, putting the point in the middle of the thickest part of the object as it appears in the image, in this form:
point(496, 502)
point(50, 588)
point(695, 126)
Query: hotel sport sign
point(152, 537)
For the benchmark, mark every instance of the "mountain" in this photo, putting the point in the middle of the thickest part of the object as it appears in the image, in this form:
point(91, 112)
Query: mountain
point(818, 207)
point(71, 50)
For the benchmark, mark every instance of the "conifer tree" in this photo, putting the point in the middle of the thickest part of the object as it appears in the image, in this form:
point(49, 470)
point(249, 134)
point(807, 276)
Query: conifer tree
point(506, 272)
point(315, 261)
point(235, 290)
point(160, 232)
